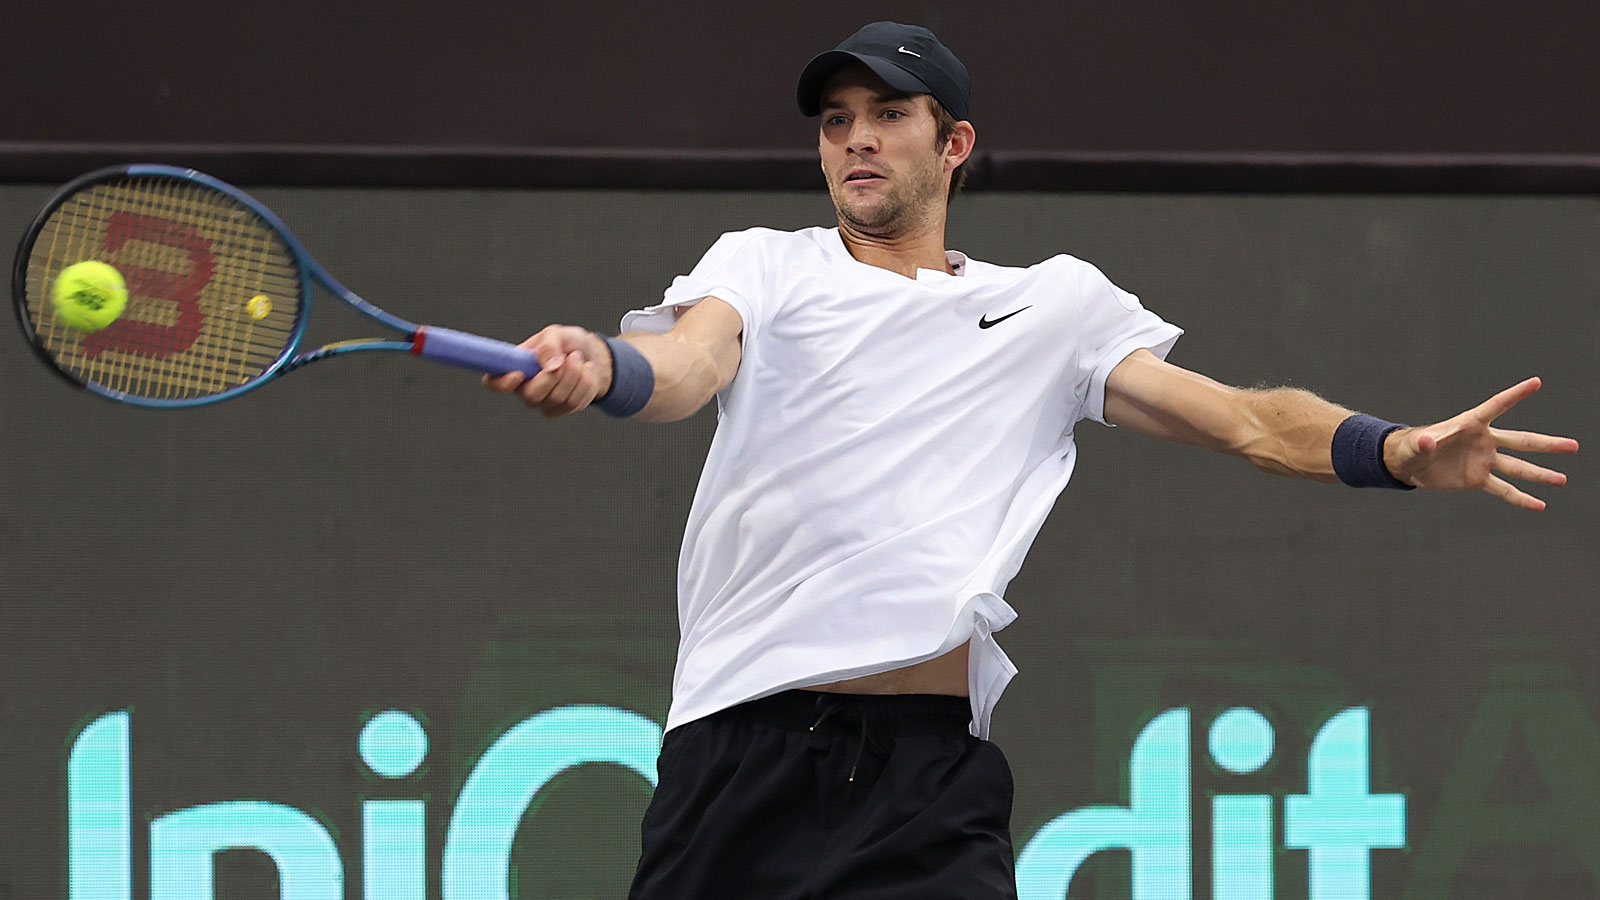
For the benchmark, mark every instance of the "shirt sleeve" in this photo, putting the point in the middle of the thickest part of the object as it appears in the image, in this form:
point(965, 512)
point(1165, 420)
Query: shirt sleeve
point(732, 271)
point(1113, 324)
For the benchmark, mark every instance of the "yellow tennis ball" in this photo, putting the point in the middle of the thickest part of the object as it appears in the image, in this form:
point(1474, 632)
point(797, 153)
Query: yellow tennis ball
point(259, 306)
point(89, 295)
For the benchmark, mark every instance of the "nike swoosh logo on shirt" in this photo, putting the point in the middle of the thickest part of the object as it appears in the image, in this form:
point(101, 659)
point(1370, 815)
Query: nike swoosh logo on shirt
point(986, 322)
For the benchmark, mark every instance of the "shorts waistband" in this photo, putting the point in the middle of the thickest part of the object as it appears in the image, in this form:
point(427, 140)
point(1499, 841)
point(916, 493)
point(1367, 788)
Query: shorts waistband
point(798, 710)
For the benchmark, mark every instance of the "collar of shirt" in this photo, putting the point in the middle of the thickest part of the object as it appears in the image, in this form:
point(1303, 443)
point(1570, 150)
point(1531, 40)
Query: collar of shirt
point(956, 259)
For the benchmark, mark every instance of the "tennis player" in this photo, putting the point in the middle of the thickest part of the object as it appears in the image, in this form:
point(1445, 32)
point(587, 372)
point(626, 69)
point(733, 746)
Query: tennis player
point(895, 421)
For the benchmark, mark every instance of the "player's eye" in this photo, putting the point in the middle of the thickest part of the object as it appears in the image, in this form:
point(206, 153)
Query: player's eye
point(893, 114)
point(834, 121)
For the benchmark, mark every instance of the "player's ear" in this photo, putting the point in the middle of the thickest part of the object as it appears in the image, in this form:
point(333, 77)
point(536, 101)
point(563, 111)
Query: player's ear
point(956, 151)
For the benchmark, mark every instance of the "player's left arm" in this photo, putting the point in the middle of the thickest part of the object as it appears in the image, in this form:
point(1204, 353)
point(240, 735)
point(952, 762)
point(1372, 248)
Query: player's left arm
point(1290, 432)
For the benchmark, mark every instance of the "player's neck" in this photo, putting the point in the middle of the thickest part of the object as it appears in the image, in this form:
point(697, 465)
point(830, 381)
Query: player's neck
point(905, 253)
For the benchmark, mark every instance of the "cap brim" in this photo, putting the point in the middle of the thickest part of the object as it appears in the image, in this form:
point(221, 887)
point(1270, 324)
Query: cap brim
point(823, 65)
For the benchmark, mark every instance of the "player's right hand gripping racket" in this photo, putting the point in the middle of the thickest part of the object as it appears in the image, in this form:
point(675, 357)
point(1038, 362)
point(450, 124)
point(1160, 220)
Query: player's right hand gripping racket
point(219, 292)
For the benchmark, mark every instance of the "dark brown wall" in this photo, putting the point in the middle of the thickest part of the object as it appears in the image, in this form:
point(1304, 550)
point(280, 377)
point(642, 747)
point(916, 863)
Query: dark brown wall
point(536, 82)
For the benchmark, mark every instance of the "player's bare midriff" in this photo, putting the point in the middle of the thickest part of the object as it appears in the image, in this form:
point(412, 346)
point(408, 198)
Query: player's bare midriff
point(945, 674)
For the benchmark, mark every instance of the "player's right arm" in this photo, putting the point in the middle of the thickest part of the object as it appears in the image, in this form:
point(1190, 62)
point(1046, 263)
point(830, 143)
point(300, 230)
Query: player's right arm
point(692, 362)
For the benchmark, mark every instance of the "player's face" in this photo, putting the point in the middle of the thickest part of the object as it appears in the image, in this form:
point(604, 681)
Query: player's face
point(878, 147)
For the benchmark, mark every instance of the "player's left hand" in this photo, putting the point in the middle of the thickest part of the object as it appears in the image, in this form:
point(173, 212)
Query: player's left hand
point(1466, 452)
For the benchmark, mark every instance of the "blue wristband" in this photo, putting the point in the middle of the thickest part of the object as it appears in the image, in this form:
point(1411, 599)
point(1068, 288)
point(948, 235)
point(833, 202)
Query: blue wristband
point(632, 380)
point(1358, 453)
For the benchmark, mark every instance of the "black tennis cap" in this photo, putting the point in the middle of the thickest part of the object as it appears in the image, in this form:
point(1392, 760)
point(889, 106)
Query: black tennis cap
point(907, 57)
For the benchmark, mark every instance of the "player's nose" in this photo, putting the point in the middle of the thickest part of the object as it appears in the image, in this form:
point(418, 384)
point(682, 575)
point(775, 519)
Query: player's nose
point(863, 137)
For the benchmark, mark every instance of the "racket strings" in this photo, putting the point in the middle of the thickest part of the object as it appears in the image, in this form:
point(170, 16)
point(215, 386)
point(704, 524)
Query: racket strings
point(214, 291)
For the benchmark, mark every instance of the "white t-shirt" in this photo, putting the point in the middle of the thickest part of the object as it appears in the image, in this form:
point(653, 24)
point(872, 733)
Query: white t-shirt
point(883, 459)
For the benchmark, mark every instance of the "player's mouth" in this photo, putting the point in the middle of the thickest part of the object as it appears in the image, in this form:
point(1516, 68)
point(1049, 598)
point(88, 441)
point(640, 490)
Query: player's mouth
point(855, 176)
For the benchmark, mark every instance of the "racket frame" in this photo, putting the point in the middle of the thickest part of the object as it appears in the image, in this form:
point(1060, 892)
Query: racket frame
point(311, 273)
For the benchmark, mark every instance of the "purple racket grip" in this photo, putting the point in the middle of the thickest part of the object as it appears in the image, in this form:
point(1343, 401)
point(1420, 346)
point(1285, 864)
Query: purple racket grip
point(471, 351)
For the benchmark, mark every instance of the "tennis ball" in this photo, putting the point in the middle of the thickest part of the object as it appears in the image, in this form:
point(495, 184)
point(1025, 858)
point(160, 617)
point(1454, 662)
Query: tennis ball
point(89, 295)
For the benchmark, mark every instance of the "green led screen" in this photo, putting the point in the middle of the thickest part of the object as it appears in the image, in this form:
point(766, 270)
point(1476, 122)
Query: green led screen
point(372, 632)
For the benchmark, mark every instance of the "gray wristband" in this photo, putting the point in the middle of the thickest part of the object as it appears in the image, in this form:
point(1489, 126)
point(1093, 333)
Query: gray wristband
point(632, 380)
point(1358, 453)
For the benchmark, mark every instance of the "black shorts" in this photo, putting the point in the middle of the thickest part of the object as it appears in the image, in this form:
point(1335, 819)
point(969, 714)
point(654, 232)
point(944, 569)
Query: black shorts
point(813, 796)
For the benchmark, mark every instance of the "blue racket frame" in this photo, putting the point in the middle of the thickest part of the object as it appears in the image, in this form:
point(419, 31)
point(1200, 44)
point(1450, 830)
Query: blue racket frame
point(442, 345)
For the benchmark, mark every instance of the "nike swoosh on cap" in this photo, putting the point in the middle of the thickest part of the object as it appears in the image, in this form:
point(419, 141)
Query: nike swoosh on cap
point(985, 322)
point(910, 52)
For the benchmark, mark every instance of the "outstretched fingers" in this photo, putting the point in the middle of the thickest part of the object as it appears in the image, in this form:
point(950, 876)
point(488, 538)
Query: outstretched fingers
point(1498, 405)
point(1465, 452)
point(1502, 489)
point(1527, 471)
point(1533, 442)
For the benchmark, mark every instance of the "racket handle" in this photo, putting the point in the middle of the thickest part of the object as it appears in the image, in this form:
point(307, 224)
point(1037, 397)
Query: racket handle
point(471, 351)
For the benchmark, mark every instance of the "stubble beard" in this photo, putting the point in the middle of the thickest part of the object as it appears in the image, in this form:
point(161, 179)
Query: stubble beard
point(902, 209)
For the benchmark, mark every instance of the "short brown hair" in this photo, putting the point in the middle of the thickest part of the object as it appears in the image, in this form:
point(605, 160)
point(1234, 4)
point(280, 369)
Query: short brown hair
point(946, 124)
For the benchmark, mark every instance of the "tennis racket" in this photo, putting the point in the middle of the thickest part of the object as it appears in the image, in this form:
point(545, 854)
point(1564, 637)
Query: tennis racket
point(219, 293)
